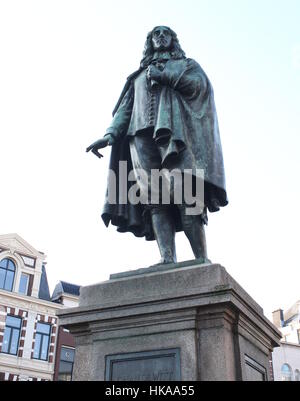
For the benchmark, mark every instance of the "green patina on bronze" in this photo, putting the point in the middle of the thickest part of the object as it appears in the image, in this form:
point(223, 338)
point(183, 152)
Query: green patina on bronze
point(166, 118)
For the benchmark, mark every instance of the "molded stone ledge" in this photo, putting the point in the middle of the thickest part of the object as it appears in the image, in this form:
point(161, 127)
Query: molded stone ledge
point(199, 309)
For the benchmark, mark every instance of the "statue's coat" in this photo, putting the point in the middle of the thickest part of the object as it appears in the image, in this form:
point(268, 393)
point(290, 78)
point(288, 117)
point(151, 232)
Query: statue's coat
point(185, 128)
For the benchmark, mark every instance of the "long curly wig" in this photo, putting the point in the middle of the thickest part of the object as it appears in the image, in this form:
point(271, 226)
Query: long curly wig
point(176, 50)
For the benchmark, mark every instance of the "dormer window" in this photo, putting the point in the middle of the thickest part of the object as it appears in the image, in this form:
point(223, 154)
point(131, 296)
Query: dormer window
point(7, 274)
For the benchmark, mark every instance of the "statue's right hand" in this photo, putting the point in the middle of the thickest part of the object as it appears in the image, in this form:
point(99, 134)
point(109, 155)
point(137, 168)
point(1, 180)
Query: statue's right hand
point(101, 143)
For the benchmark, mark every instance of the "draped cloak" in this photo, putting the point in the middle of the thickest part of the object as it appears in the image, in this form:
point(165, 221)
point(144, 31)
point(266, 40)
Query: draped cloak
point(181, 117)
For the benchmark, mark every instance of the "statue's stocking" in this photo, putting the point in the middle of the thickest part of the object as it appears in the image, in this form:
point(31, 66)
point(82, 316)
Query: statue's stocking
point(164, 232)
point(194, 230)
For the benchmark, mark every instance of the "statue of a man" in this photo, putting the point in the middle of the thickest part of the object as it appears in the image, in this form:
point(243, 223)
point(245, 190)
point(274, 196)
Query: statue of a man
point(165, 119)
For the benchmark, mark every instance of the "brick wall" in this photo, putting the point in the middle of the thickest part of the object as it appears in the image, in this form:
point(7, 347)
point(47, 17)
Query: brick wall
point(65, 338)
point(6, 376)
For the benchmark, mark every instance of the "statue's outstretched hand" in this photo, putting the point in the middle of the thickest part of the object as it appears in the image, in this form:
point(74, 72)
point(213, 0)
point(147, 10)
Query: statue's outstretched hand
point(101, 143)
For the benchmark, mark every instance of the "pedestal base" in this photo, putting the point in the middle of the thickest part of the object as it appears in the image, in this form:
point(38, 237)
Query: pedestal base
point(184, 323)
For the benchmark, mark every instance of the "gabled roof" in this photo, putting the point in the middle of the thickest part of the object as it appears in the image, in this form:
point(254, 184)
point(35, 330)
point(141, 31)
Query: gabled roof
point(16, 242)
point(65, 288)
point(69, 288)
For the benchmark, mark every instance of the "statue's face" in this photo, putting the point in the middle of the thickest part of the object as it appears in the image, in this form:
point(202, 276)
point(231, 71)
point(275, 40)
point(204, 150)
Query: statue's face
point(161, 38)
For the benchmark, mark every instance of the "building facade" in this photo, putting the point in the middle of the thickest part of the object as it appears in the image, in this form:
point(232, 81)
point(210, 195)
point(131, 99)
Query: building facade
point(286, 358)
point(68, 295)
point(29, 327)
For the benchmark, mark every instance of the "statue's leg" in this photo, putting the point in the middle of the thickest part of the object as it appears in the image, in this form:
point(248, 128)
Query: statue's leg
point(164, 232)
point(193, 227)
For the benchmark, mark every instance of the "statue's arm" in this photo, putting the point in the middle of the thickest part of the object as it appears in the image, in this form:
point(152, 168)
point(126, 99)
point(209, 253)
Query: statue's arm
point(186, 77)
point(118, 126)
point(121, 119)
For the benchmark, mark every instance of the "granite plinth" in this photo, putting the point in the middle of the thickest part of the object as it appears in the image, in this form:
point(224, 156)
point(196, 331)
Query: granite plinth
point(128, 328)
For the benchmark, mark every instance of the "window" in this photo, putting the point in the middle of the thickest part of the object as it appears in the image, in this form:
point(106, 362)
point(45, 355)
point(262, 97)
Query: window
point(286, 373)
point(11, 335)
point(24, 280)
point(66, 364)
point(42, 339)
point(30, 262)
point(7, 274)
point(297, 375)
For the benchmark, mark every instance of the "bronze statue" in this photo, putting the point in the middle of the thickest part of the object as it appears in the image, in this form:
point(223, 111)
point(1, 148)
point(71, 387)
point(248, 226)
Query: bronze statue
point(165, 119)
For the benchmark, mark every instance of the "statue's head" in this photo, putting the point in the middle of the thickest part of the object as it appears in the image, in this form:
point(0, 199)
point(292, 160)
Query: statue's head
point(161, 38)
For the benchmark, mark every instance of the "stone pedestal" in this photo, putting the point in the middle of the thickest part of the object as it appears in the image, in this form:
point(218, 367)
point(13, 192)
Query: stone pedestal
point(186, 321)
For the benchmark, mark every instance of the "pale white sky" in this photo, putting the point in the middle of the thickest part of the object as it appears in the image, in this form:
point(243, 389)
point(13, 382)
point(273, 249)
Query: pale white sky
point(63, 65)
